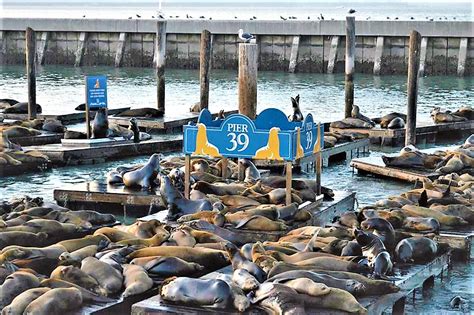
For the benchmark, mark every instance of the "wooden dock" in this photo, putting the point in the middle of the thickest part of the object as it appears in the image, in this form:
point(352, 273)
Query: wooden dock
point(170, 122)
point(68, 155)
point(375, 166)
point(65, 118)
point(13, 170)
point(42, 139)
point(340, 152)
point(425, 133)
point(409, 277)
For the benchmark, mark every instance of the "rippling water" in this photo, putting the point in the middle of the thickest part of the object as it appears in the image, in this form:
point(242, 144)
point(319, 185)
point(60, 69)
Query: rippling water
point(60, 89)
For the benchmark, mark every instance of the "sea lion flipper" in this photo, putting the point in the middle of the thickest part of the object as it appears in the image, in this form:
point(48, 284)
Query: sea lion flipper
point(245, 221)
point(423, 200)
point(310, 246)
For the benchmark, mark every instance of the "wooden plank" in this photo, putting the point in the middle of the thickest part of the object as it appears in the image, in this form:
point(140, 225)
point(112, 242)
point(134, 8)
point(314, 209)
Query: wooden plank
point(65, 118)
point(167, 122)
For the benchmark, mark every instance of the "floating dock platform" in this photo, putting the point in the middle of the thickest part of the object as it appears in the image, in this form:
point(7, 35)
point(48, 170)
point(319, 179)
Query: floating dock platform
point(409, 278)
point(12, 170)
point(425, 133)
point(62, 155)
point(167, 124)
point(42, 139)
point(66, 118)
point(343, 151)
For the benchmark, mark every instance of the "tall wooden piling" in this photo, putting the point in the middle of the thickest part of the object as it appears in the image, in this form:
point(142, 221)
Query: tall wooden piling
point(31, 71)
point(248, 63)
point(412, 86)
point(160, 51)
point(204, 67)
point(349, 69)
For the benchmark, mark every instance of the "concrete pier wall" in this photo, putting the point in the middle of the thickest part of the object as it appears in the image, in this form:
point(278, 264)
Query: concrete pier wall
point(446, 52)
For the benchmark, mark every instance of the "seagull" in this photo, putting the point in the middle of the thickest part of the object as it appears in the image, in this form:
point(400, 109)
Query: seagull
point(161, 16)
point(246, 37)
point(281, 17)
point(309, 18)
point(431, 20)
point(138, 16)
point(322, 17)
point(129, 17)
point(210, 18)
point(254, 17)
point(351, 11)
point(187, 16)
point(152, 16)
point(202, 17)
point(368, 18)
point(396, 18)
point(412, 18)
point(84, 16)
point(388, 18)
point(235, 17)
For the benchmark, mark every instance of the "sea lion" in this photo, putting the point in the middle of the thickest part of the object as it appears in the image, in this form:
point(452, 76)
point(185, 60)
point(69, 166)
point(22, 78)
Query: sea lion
point(164, 267)
point(439, 117)
point(141, 112)
point(176, 203)
point(114, 235)
point(244, 280)
point(297, 115)
point(458, 210)
point(272, 150)
point(209, 258)
point(203, 146)
point(396, 123)
point(466, 112)
point(182, 238)
point(335, 264)
point(100, 125)
point(355, 113)
point(87, 295)
point(417, 249)
point(213, 217)
point(348, 123)
point(213, 293)
point(443, 219)
point(241, 220)
point(13, 252)
point(18, 132)
point(352, 248)
point(219, 190)
point(145, 229)
point(145, 175)
point(383, 229)
point(384, 121)
point(412, 159)
point(53, 125)
point(15, 284)
point(21, 108)
point(240, 262)
point(308, 286)
point(348, 219)
point(279, 299)
point(203, 236)
point(136, 280)
point(22, 239)
point(133, 127)
point(78, 243)
point(424, 225)
point(375, 251)
point(55, 302)
point(77, 256)
point(7, 102)
point(19, 303)
point(252, 175)
point(77, 276)
point(108, 277)
point(337, 299)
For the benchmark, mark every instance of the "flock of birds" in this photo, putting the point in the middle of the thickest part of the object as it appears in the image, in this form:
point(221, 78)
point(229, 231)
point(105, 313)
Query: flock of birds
point(320, 17)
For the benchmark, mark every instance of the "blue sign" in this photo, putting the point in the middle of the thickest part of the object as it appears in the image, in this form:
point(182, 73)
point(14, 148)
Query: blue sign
point(96, 91)
point(270, 136)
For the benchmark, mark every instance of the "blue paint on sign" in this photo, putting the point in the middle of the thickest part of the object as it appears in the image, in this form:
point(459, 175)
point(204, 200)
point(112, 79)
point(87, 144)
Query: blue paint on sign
point(271, 136)
point(96, 91)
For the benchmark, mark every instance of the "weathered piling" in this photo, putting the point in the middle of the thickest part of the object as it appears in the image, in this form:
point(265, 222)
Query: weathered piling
point(160, 51)
point(31, 71)
point(412, 86)
point(349, 69)
point(204, 67)
point(248, 63)
point(294, 54)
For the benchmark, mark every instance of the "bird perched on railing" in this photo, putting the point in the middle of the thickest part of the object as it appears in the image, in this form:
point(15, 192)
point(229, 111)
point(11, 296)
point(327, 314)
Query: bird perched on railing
point(245, 37)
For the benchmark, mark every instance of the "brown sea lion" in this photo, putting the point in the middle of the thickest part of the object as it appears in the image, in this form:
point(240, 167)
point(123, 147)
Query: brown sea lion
point(240, 262)
point(164, 267)
point(254, 222)
point(114, 235)
point(15, 284)
point(100, 125)
point(375, 251)
point(53, 125)
point(442, 218)
point(21, 108)
point(78, 243)
point(462, 211)
point(18, 131)
point(439, 117)
point(355, 113)
point(244, 280)
point(108, 277)
point(56, 302)
point(136, 280)
point(76, 276)
point(424, 225)
point(19, 303)
point(348, 123)
point(22, 239)
point(141, 112)
point(416, 249)
point(87, 296)
point(144, 176)
point(384, 121)
point(279, 299)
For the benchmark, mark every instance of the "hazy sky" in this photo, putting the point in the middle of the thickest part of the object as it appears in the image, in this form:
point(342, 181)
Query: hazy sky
point(233, 1)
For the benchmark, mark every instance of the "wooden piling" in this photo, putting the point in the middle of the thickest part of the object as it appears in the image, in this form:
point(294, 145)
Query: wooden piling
point(31, 71)
point(333, 54)
point(349, 69)
point(187, 175)
point(120, 49)
point(80, 49)
point(289, 175)
point(43, 45)
point(160, 51)
point(462, 57)
point(412, 86)
point(204, 67)
point(248, 63)
point(294, 54)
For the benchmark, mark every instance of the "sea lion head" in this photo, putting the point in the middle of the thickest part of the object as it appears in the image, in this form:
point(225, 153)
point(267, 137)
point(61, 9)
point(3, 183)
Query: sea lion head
point(154, 161)
point(363, 238)
point(355, 111)
point(404, 252)
point(230, 248)
point(218, 220)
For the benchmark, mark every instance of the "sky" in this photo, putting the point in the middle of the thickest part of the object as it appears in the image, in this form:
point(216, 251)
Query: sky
point(248, 1)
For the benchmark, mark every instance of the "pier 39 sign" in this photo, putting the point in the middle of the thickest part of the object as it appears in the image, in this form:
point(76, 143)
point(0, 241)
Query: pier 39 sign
point(96, 91)
point(269, 137)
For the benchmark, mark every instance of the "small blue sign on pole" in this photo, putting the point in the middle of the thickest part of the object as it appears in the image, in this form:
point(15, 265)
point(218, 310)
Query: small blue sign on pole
point(96, 91)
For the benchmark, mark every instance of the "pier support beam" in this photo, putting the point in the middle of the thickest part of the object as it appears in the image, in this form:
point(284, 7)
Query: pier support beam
point(333, 53)
point(31, 71)
point(248, 64)
point(42, 46)
point(80, 48)
point(294, 54)
point(462, 56)
point(120, 49)
point(412, 86)
point(160, 52)
point(423, 49)
point(205, 67)
point(349, 69)
point(378, 55)
point(3, 46)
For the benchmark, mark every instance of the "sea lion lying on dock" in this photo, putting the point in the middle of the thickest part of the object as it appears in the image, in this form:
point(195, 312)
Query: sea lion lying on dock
point(349, 123)
point(21, 108)
point(412, 158)
point(385, 121)
point(416, 250)
point(355, 113)
point(141, 112)
point(143, 177)
point(7, 102)
point(444, 117)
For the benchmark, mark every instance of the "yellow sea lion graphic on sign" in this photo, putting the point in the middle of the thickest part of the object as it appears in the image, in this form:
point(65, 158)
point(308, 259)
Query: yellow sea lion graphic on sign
point(317, 145)
point(97, 84)
point(272, 150)
point(299, 147)
point(203, 147)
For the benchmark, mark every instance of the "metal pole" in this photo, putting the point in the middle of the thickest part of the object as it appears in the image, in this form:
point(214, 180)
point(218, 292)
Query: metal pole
point(349, 69)
point(204, 67)
point(160, 63)
point(412, 86)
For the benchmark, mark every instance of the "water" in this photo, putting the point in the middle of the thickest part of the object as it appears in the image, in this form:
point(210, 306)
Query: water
point(61, 89)
point(243, 10)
